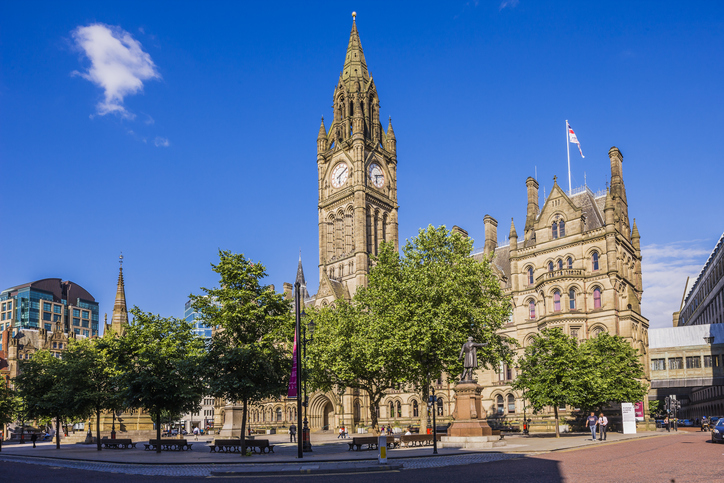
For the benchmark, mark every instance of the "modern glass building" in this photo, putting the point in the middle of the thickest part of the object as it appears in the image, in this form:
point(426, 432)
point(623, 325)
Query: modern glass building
point(200, 329)
point(41, 304)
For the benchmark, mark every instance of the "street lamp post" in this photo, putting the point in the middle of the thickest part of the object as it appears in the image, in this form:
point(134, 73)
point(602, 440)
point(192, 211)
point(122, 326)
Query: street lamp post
point(433, 401)
point(306, 441)
point(297, 336)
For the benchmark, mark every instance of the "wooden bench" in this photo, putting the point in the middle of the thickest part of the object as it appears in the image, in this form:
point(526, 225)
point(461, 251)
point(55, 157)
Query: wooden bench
point(359, 441)
point(418, 439)
point(168, 445)
point(226, 446)
point(262, 445)
point(117, 443)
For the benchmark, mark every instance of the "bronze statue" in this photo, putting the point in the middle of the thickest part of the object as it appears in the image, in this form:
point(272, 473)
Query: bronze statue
point(470, 352)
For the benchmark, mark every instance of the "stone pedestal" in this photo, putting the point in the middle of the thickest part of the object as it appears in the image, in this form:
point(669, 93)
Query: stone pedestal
point(470, 429)
point(232, 421)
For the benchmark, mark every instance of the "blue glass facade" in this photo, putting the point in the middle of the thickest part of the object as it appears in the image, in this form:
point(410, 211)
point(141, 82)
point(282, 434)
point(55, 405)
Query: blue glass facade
point(200, 329)
point(40, 304)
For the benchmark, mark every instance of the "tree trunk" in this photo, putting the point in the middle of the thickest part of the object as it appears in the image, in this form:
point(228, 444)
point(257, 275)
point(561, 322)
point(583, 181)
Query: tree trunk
point(57, 432)
point(243, 429)
point(555, 411)
point(98, 428)
point(374, 403)
point(158, 433)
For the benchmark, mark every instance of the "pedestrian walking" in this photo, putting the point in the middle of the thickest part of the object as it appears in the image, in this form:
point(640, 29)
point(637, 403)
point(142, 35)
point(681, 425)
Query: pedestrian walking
point(592, 421)
point(382, 429)
point(292, 433)
point(341, 432)
point(602, 426)
point(344, 431)
point(196, 434)
point(34, 438)
point(666, 423)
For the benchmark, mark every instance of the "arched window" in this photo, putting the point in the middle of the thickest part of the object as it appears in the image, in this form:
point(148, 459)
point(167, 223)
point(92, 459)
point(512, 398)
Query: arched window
point(594, 260)
point(530, 275)
point(550, 266)
point(399, 409)
point(570, 262)
point(556, 301)
point(415, 409)
point(439, 407)
point(500, 404)
point(356, 410)
point(555, 230)
point(596, 298)
point(562, 228)
point(392, 409)
point(560, 264)
point(531, 309)
point(279, 414)
point(572, 299)
point(511, 403)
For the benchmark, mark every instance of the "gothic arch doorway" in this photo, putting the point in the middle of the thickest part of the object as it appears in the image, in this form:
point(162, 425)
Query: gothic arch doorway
point(321, 413)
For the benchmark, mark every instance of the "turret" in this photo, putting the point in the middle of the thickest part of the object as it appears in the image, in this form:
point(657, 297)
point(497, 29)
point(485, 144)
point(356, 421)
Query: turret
point(322, 138)
point(513, 236)
point(619, 192)
point(635, 236)
point(391, 143)
point(532, 212)
point(491, 234)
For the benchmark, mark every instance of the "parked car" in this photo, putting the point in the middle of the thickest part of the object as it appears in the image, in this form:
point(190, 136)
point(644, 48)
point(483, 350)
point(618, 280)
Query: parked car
point(717, 432)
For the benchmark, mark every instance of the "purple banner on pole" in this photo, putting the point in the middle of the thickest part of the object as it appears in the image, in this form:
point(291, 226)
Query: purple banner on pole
point(293, 386)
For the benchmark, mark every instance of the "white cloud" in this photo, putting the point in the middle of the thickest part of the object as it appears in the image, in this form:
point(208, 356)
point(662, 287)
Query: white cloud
point(149, 120)
point(509, 3)
point(665, 268)
point(161, 142)
point(118, 65)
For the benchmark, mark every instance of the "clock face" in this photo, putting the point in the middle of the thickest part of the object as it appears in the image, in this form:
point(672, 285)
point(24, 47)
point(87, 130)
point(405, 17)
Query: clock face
point(340, 175)
point(376, 175)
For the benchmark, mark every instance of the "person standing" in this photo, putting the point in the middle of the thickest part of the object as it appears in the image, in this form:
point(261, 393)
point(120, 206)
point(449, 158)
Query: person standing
point(602, 426)
point(592, 421)
point(34, 438)
point(292, 433)
point(341, 432)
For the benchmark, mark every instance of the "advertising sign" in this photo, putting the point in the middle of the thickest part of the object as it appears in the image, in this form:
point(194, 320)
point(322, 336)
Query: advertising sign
point(628, 415)
point(293, 378)
point(639, 410)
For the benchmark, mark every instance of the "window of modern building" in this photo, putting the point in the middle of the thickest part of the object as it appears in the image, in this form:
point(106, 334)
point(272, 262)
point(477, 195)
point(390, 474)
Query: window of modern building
point(550, 266)
point(511, 403)
point(556, 301)
point(3, 307)
point(569, 260)
point(562, 228)
point(86, 314)
point(56, 318)
point(594, 260)
point(572, 299)
point(711, 361)
point(47, 316)
point(500, 404)
point(676, 363)
point(76, 313)
point(530, 275)
point(77, 331)
point(85, 323)
point(47, 327)
point(596, 298)
point(658, 364)
point(2, 317)
point(86, 333)
point(531, 309)
point(56, 309)
point(693, 362)
point(554, 228)
point(47, 306)
point(415, 409)
point(76, 321)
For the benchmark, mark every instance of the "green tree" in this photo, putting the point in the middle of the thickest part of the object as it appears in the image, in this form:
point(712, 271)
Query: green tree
point(613, 372)
point(159, 363)
point(550, 372)
point(46, 390)
point(92, 372)
point(249, 357)
point(8, 405)
point(408, 325)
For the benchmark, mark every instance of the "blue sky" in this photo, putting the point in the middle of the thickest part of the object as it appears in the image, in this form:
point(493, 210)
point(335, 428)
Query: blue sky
point(197, 129)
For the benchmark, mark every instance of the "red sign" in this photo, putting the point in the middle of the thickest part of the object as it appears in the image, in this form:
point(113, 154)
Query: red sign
point(293, 386)
point(639, 410)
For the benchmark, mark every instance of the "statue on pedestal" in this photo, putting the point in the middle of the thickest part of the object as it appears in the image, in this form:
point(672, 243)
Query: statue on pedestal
point(469, 352)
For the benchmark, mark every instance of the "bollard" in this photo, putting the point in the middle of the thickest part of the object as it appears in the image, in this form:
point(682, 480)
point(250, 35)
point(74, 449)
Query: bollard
point(382, 445)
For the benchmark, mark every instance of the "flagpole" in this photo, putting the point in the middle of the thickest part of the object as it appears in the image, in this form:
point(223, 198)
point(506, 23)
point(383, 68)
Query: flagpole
point(568, 148)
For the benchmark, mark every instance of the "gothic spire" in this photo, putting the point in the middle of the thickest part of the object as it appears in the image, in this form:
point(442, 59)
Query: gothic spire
point(512, 234)
point(119, 318)
point(300, 279)
point(355, 67)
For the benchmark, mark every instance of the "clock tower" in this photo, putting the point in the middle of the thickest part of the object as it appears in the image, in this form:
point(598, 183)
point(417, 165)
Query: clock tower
point(357, 169)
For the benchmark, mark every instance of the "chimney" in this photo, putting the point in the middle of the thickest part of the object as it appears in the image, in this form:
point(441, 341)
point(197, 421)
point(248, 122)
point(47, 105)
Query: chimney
point(491, 234)
point(532, 212)
point(288, 291)
point(457, 229)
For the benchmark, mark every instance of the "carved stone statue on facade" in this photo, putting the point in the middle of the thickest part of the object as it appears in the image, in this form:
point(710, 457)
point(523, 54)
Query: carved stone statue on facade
point(469, 353)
